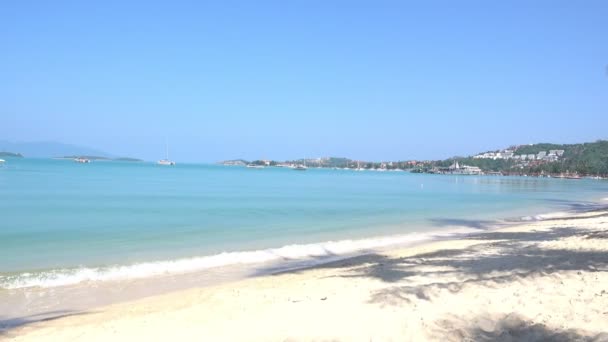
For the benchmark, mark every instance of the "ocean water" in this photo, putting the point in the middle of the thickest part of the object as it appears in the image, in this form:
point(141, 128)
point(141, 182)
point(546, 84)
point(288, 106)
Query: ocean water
point(64, 223)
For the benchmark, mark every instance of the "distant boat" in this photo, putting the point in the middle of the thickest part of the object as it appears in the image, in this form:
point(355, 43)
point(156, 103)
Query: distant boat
point(255, 166)
point(301, 167)
point(166, 161)
point(2, 161)
point(82, 160)
point(359, 168)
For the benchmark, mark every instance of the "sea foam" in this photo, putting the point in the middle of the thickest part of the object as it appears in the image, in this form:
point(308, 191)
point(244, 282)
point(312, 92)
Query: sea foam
point(547, 216)
point(303, 254)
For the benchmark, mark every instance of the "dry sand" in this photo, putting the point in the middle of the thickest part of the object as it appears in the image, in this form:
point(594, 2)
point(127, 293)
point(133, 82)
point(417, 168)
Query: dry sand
point(543, 280)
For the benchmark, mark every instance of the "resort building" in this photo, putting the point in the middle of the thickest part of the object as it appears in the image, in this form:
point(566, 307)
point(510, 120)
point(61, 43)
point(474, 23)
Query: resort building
point(457, 169)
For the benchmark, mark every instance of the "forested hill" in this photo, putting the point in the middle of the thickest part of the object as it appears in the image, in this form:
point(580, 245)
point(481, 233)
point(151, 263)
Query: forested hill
point(584, 159)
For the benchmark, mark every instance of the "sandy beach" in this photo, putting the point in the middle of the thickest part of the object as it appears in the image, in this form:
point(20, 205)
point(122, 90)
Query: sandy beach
point(542, 280)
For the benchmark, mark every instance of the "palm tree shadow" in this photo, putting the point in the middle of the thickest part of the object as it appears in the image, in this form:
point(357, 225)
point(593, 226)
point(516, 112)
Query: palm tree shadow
point(9, 324)
point(511, 328)
point(499, 257)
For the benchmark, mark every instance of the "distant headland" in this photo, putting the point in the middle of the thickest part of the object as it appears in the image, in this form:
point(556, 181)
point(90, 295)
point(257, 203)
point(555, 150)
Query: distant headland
point(11, 154)
point(543, 160)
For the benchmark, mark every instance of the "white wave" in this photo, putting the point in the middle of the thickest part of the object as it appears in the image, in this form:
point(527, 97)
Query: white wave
point(315, 253)
point(546, 216)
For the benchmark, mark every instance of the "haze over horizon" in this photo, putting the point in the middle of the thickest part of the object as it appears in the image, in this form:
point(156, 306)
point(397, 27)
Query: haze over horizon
point(371, 81)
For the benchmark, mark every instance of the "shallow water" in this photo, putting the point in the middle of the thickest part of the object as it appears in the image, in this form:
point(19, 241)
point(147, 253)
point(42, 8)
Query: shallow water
point(65, 223)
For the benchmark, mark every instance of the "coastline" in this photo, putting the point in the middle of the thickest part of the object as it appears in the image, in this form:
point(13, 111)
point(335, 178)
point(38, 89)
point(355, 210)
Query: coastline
point(88, 288)
point(423, 291)
point(288, 256)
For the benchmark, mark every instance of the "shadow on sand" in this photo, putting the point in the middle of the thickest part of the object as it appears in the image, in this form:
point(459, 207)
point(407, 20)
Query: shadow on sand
point(8, 324)
point(492, 259)
point(513, 328)
point(511, 253)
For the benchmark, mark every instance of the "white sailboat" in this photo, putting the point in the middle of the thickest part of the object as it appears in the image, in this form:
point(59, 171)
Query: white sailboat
point(166, 161)
point(359, 168)
point(301, 167)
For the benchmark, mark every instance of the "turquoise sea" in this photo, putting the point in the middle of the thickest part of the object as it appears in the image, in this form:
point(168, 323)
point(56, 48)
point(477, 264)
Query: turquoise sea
point(63, 223)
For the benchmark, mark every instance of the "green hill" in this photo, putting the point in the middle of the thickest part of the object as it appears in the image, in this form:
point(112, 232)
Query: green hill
point(584, 159)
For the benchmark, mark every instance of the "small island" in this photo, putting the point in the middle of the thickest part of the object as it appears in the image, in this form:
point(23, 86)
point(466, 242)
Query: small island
point(128, 159)
point(85, 157)
point(100, 158)
point(11, 154)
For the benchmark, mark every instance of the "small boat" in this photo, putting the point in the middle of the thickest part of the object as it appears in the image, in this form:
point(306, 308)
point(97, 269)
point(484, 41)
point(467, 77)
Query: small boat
point(2, 161)
point(255, 166)
point(300, 167)
point(82, 160)
point(166, 161)
point(359, 168)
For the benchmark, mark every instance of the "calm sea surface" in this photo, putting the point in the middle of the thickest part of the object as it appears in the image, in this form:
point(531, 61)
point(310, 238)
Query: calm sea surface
point(64, 223)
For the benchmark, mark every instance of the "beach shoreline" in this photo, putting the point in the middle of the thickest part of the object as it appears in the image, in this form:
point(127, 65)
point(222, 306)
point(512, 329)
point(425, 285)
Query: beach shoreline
point(48, 293)
point(386, 288)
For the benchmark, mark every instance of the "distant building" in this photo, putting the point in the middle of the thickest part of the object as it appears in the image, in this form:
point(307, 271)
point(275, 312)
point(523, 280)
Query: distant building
point(457, 169)
point(541, 155)
point(531, 156)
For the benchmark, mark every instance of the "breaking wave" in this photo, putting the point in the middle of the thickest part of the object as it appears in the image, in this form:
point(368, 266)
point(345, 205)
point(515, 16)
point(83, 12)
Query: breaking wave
point(303, 254)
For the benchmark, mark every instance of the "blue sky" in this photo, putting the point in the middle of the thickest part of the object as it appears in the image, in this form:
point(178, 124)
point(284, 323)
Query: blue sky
point(287, 79)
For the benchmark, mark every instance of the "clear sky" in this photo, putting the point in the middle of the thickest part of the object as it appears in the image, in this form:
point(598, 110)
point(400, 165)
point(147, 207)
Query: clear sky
point(287, 79)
